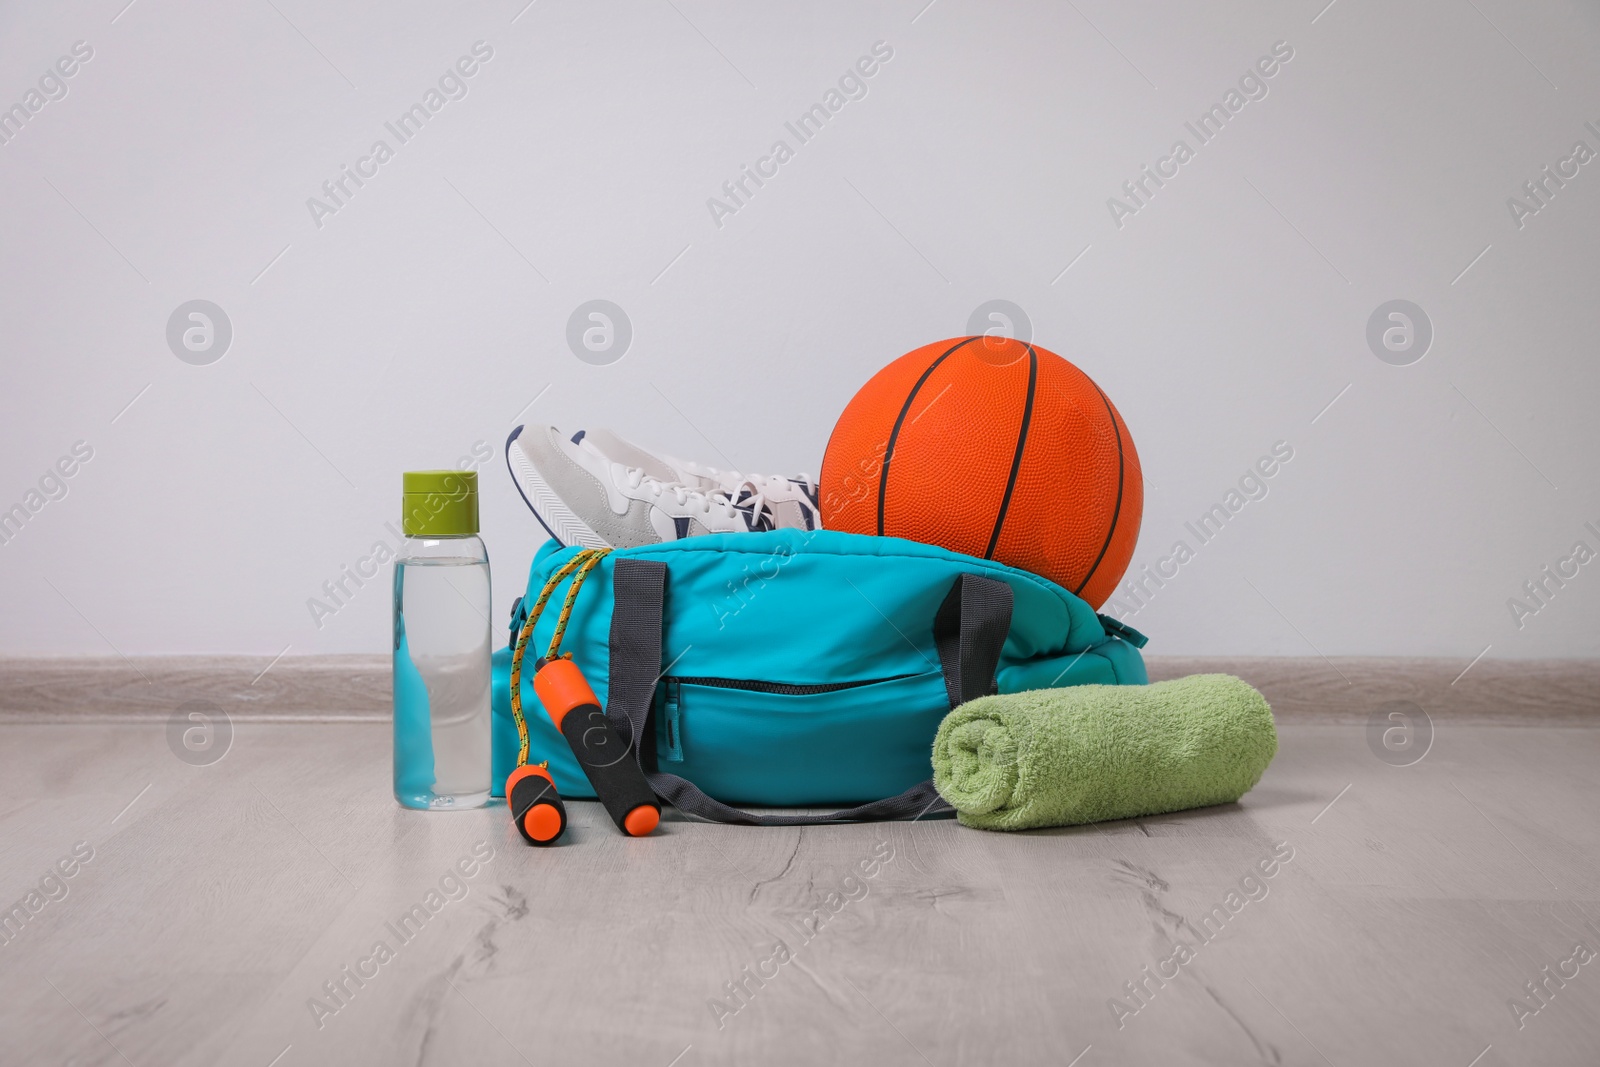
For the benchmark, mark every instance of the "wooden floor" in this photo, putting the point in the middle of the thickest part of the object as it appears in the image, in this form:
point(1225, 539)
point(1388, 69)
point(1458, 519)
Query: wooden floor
point(222, 902)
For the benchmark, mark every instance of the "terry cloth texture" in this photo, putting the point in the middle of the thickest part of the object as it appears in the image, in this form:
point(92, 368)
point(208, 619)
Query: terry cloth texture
point(1060, 757)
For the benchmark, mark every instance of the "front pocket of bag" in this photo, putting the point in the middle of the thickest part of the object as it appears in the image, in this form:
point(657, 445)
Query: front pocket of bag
point(750, 742)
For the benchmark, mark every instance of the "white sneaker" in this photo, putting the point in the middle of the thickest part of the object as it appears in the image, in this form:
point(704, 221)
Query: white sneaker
point(789, 503)
point(583, 497)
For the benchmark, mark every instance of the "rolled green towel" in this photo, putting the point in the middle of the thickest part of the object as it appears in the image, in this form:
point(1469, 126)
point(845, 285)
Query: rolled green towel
point(1088, 753)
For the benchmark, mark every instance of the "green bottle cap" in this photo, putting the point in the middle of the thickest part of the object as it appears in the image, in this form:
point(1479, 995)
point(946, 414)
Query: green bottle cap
point(439, 504)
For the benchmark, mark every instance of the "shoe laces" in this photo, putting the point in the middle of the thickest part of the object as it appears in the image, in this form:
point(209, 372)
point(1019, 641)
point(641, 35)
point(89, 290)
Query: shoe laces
point(752, 494)
point(769, 487)
point(749, 498)
point(746, 495)
point(775, 486)
point(682, 495)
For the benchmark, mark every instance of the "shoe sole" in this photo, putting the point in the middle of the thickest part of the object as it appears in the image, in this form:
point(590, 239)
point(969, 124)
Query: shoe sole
point(558, 520)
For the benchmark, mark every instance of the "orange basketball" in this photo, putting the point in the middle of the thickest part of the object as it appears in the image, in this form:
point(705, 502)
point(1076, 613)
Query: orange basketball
point(995, 448)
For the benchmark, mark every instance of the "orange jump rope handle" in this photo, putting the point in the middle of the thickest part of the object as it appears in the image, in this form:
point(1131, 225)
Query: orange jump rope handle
point(535, 805)
point(601, 751)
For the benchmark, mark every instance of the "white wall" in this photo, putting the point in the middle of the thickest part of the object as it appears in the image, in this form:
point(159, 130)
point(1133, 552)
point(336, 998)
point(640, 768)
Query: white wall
point(427, 313)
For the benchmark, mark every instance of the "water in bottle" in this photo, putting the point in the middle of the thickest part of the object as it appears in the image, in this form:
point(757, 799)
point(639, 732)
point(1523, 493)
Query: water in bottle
point(441, 646)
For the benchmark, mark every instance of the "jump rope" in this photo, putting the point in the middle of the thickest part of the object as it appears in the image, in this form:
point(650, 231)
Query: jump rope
point(602, 752)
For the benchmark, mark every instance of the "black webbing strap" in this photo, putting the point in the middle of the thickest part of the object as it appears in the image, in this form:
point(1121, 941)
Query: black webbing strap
point(638, 588)
point(970, 630)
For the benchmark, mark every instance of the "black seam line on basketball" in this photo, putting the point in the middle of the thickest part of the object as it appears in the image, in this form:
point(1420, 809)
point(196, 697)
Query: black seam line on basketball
point(1116, 512)
point(894, 434)
point(1016, 457)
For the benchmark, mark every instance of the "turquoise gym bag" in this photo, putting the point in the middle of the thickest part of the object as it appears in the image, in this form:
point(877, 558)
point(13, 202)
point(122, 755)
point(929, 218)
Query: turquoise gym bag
point(796, 668)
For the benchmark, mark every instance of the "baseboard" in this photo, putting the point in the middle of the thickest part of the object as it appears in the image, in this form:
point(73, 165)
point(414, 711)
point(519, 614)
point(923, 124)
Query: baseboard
point(1350, 689)
point(153, 688)
point(356, 688)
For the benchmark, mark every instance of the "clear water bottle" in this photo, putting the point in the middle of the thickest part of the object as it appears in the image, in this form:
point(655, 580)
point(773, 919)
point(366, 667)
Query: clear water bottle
point(441, 646)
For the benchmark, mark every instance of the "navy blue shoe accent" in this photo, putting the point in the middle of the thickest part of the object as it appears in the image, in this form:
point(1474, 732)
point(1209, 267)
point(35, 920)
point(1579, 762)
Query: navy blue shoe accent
point(752, 521)
point(512, 471)
point(811, 491)
point(578, 436)
point(681, 524)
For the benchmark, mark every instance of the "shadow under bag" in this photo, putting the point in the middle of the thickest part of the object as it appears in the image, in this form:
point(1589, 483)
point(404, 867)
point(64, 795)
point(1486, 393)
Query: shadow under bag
point(798, 668)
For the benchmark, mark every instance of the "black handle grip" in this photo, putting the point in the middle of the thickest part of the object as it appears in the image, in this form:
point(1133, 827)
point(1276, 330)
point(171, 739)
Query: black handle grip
point(610, 768)
point(531, 791)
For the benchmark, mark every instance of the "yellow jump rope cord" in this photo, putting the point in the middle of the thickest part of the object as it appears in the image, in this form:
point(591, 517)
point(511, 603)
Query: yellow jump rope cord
point(582, 562)
point(572, 596)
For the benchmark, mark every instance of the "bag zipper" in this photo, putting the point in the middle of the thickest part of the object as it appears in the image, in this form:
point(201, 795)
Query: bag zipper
point(783, 688)
point(669, 742)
